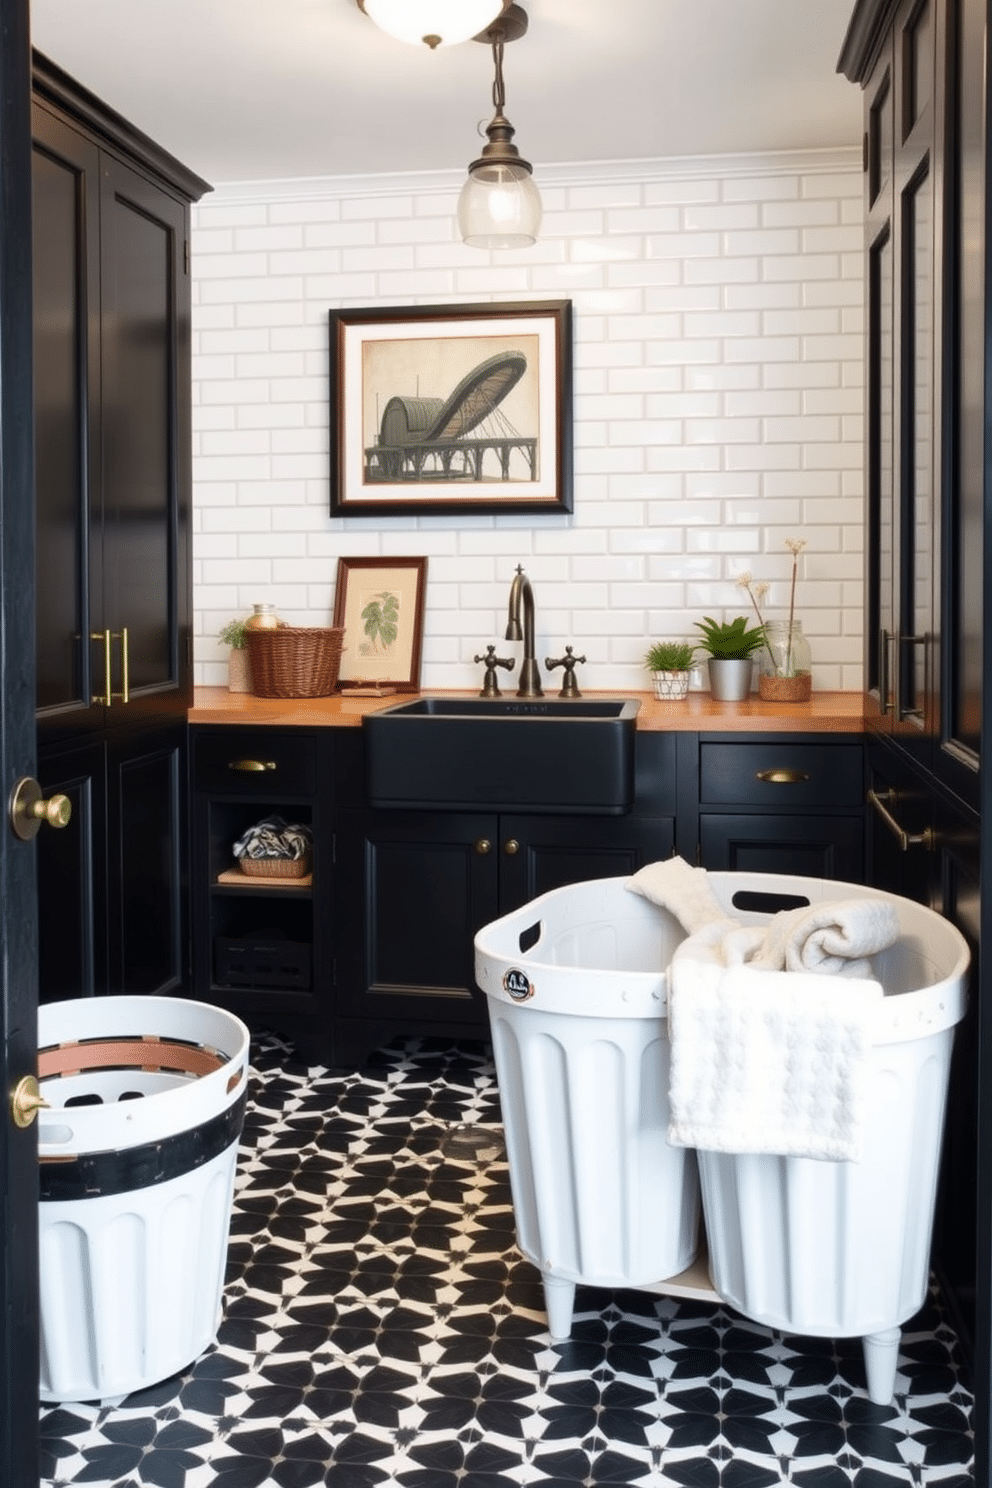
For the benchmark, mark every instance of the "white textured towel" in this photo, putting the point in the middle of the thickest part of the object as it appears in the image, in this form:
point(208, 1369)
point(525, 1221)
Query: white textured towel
point(766, 1061)
point(682, 890)
point(838, 937)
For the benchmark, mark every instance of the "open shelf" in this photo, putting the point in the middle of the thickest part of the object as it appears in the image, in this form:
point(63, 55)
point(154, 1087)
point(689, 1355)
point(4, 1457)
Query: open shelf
point(233, 878)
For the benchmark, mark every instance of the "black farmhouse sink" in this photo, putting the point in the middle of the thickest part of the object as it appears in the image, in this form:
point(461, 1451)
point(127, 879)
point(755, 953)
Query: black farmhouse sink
point(521, 754)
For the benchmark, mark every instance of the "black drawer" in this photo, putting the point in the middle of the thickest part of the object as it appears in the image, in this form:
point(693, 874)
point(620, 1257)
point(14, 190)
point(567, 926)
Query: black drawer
point(254, 762)
point(781, 774)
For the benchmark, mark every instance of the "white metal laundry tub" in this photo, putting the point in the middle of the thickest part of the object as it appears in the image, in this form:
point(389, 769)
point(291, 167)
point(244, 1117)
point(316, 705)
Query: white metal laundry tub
point(581, 1051)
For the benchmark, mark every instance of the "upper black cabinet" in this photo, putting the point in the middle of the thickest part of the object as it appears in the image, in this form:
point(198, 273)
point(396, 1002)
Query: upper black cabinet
point(920, 63)
point(110, 237)
point(111, 298)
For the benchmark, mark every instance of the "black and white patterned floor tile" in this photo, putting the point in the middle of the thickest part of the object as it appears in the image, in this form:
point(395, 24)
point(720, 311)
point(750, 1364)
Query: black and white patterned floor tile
point(380, 1328)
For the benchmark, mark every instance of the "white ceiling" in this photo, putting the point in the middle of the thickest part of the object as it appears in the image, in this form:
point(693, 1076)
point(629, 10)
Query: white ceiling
point(266, 89)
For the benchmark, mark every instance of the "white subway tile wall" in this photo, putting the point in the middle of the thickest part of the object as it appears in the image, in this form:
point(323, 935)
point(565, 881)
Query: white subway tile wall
point(718, 370)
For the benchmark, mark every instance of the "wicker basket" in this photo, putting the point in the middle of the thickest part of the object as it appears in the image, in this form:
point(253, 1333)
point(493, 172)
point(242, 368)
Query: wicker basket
point(295, 661)
point(276, 867)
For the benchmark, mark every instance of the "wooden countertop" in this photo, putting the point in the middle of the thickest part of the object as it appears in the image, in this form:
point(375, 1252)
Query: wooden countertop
point(825, 713)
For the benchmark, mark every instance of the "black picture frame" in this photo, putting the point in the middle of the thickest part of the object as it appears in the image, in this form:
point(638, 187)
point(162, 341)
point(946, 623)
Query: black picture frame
point(451, 410)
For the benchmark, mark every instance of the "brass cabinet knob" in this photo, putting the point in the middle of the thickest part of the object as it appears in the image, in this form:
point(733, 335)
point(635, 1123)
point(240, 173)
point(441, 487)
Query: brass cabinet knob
point(26, 1101)
point(511, 846)
point(28, 809)
point(483, 846)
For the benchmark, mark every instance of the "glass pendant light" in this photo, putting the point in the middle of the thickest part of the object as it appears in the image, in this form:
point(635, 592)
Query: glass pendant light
point(432, 23)
point(499, 205)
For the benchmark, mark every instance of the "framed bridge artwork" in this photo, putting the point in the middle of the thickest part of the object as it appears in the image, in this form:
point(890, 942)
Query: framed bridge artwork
point(450, 410)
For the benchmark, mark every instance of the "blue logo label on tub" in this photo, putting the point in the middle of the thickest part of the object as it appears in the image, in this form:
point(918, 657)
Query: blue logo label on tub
point(518, 985)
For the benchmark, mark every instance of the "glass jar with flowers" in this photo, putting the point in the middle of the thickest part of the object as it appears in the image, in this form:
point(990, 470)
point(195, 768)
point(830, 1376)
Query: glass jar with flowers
point(784, 664)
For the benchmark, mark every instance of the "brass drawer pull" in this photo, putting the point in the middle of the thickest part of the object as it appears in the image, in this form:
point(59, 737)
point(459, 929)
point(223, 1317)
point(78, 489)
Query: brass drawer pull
point(905, 839)
point(782, 776)
point(250, 765)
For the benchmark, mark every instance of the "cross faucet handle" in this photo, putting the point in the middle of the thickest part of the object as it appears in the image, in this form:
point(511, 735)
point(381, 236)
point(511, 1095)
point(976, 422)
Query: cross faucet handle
point(490, 687)
point(569, 686)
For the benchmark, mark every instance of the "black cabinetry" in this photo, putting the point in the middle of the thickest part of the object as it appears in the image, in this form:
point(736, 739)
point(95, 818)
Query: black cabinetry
point(110, 236)
point(924, 845)
point(263, 947)
point(923, 66)
point(381, 941)
point(420, 884)
point(773, 804)
point(924, 87)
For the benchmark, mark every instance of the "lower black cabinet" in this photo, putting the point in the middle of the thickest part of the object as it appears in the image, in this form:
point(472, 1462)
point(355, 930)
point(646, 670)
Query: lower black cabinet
point(111, 884)
point(420, 884)
point(258, 948)
point(812, 846)
point(924, 845)
point(772, 804)
point(379, 941)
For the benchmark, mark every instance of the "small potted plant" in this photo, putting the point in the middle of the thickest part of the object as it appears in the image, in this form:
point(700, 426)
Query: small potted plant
point(238, 674)
point(670, 662)
point(730, 645)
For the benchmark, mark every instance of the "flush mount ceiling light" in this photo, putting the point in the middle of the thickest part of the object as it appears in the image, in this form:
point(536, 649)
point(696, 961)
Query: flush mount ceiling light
point(499, 205)
point(433, 23)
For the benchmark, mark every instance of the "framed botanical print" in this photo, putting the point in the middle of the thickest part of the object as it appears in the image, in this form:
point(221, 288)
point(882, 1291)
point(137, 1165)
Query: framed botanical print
point(380, 603)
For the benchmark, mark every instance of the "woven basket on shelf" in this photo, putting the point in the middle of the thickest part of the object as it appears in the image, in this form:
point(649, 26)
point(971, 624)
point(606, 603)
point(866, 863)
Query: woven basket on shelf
point(295, 661)
point(276, 867)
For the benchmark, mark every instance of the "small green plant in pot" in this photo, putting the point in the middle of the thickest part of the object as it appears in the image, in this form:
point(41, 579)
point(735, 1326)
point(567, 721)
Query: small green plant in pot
point(233, 634)
point(730, 645)
point(670, 662)
point(238, 673)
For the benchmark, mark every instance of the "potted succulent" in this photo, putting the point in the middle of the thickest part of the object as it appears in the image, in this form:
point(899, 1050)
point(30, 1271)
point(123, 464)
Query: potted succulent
point(731, 645)
point(670, 662)
point(238, 674)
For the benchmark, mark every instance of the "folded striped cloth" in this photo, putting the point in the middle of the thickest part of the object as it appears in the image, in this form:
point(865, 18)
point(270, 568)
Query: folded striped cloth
point(274, 838)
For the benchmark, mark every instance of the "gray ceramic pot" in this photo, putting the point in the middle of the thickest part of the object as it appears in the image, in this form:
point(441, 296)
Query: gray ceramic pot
point(730, 681)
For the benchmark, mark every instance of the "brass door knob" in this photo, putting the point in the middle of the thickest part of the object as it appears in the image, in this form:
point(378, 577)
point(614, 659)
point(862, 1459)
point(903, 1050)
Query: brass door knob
point(26, 1101)
point(28, 809)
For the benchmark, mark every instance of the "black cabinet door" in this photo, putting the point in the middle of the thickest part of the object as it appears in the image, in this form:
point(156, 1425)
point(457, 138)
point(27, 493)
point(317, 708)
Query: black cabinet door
point(66, 268)
point(538, 854)
point(963, 488)
point(145, 444)
point(925, 847)
point(72, 899)
point(112, 353)
point(111, 885)
point(904, 182)
point(813, 846)
point(146, 862)
point(415, 887)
